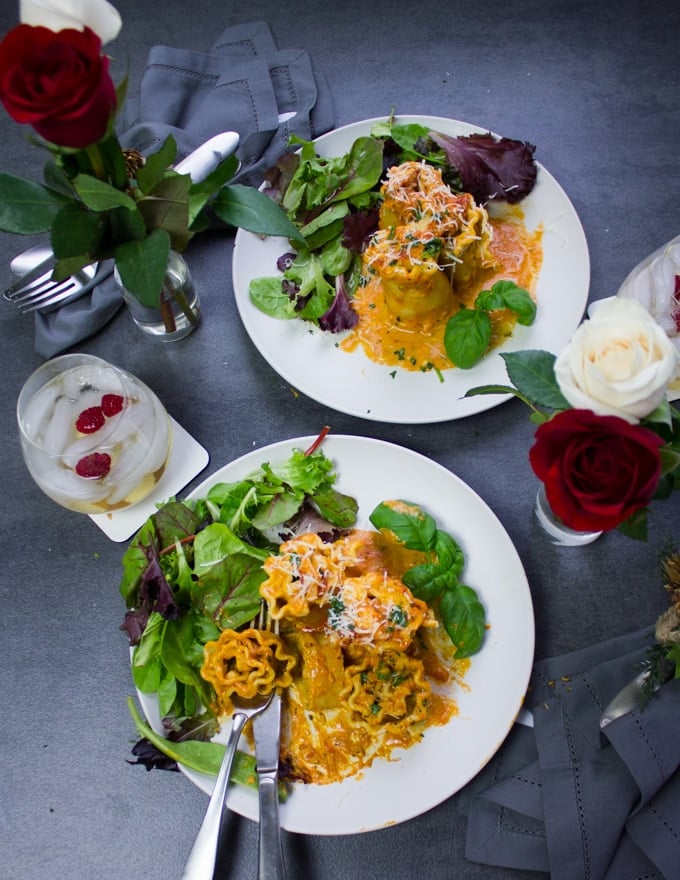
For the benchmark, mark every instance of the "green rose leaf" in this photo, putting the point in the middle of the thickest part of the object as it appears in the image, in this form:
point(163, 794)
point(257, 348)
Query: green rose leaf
point(142, 266)
point(26, 207)
point(156, 164)
point(248, 208)
point(166, 207)
point(75, 232)
point(100, 196)
point(533, 375)
point(218, 177)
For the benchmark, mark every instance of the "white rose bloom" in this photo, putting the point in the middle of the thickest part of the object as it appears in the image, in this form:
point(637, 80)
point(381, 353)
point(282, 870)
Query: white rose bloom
point(619, 362)
point(57, 15)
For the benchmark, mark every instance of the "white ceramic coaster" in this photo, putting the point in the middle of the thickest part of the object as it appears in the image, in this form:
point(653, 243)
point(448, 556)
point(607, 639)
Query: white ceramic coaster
point(187, 459)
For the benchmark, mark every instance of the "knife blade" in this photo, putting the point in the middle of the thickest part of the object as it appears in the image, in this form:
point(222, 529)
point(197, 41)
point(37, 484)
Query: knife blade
point(25, 281)
point(208, 156)
point(627, 699)
point(267, 731)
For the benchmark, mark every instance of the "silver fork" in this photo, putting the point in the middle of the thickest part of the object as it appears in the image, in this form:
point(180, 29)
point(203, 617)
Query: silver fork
point(36, 290)
point(201, 862)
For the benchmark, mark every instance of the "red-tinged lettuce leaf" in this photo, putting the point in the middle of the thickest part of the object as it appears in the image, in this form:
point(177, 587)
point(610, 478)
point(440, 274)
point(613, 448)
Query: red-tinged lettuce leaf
point(340, 316)
point(502, 169)
point(357, 229)
point(152, 758)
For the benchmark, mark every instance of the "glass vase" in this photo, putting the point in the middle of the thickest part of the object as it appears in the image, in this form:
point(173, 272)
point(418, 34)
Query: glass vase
point(178, 312)
point(559, 533)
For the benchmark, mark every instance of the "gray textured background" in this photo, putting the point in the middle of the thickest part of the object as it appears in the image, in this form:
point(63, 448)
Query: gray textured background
point(597, 88)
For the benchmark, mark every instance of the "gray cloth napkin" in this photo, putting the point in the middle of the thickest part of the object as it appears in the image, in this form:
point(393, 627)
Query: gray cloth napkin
point(244, 83)
point(578, 802)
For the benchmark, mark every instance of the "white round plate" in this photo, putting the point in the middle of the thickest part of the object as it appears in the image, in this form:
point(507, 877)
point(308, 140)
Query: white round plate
point(449, 756)
point(310, 360)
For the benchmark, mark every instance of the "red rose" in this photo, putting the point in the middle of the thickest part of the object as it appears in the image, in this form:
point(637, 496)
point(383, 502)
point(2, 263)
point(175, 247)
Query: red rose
point(597, 470)
point(58, 83)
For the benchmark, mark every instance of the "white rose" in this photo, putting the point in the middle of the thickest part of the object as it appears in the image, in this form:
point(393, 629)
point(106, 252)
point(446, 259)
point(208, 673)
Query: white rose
point(619, 362)
point(57, 15)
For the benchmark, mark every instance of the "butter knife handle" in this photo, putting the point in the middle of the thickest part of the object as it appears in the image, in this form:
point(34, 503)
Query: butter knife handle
point(270, 854)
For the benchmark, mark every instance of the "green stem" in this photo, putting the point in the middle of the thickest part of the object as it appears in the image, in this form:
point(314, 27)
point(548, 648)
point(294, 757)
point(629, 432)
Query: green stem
point(94, 154)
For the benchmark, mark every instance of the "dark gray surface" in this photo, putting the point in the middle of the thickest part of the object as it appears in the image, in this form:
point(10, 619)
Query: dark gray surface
point(596, 88)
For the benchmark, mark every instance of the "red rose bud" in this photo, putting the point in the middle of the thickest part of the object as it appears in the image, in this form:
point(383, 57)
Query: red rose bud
point(597, 470)
point(57, 82)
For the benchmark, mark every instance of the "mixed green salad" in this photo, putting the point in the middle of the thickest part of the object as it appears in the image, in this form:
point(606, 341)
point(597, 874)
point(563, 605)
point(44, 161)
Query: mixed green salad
point(334, 204)
point(195, 569)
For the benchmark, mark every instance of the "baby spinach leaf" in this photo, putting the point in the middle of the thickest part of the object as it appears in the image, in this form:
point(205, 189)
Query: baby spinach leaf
point(338, 509)
point(268, 295)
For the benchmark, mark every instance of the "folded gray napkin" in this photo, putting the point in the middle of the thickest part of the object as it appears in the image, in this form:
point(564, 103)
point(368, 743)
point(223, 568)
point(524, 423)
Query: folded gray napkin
point(244, 83)
point(578, 802)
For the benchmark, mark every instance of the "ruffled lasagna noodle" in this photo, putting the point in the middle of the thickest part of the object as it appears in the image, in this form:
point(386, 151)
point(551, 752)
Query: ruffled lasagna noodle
point(434, 251)
point(245, 664)
point(362, 663)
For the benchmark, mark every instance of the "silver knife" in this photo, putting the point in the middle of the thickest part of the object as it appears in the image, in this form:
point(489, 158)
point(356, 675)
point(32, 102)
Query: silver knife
point(266, 728)
point(627, 699)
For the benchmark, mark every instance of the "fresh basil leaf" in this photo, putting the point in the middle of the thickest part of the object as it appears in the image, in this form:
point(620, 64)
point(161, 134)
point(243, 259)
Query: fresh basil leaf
point(517, 300)
point(448, 552)
point(408, 523)
point(429, 581)
point(467, 337)
point(464, 619)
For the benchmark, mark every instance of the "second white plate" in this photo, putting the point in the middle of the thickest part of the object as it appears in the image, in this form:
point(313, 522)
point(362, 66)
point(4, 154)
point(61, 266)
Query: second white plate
point(421, 777)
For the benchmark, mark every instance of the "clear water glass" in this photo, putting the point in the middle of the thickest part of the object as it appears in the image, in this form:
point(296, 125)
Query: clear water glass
point(94, 437)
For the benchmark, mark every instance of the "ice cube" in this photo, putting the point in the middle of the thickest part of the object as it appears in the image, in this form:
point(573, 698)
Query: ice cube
point(64, 485)
point(59, 430)
point(38, 411)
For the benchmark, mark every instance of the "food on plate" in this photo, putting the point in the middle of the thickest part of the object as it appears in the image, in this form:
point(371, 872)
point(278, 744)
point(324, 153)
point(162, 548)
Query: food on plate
point(357, 655)
point(374, 628)
point(397, 248)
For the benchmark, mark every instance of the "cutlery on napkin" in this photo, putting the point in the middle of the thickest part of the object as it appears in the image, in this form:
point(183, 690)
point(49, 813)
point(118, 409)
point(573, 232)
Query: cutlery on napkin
point(575, 800)
point(243, 84)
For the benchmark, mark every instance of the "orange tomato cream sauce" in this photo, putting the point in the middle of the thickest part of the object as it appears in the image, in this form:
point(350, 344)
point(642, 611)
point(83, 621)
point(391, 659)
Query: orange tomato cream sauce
point(433, 253)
